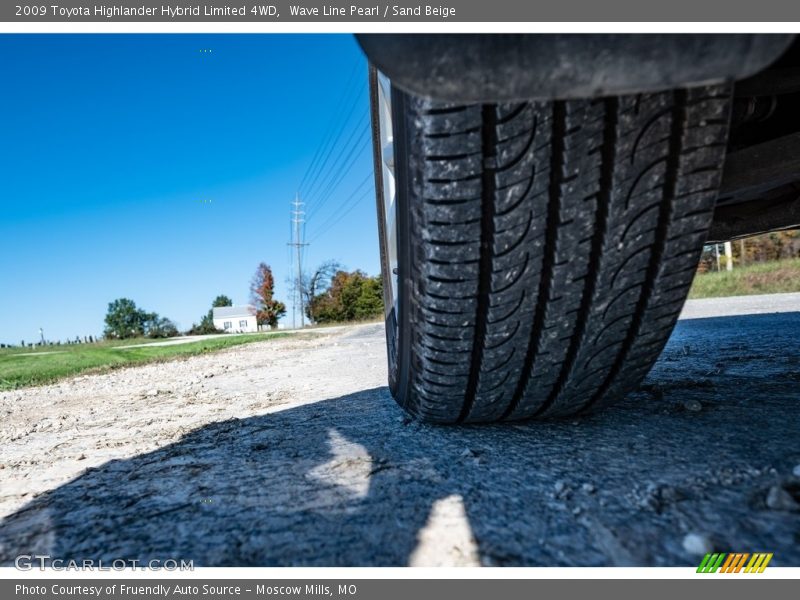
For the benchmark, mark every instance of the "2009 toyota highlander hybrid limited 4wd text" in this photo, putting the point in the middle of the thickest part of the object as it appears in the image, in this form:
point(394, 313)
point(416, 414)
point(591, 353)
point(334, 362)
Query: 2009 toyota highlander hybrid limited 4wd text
point(543, 201)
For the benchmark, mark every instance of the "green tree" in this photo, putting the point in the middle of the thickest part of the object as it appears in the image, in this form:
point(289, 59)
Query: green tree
point(221, 300)
point(124, 320)
point(350, 297)
point(161, 327)
point(369, 303)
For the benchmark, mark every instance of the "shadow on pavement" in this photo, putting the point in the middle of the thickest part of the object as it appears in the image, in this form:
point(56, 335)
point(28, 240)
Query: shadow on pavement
point(351, 481)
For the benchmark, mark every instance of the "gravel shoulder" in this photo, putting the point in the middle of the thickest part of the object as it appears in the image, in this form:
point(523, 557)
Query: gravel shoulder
point(741, 305)
point(291, 452)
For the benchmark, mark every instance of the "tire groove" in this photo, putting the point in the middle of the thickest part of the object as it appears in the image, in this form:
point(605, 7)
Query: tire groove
point(489, 151)
point(673, 163)
point(608, 158)
point(557, 149)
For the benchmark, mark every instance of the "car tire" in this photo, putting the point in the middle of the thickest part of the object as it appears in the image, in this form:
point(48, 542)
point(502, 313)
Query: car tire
point(544, 250)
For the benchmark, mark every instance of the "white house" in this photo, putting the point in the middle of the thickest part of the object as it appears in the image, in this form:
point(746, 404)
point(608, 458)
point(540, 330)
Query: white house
point(235, 319)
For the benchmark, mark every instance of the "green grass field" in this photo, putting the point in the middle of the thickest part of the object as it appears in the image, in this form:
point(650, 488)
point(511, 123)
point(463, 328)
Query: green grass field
point(20, 367)
point(760, 278)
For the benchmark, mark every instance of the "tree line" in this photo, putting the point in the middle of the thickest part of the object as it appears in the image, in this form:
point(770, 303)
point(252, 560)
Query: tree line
point(330, 293)
point(767, 247)
point(334, 295)
point(126, 320)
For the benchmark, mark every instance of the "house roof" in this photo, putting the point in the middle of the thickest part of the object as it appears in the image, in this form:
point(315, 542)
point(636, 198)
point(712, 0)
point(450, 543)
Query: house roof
point(228, 312)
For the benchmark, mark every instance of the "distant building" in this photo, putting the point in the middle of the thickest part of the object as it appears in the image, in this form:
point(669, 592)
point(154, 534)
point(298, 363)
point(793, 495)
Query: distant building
point(235, 319)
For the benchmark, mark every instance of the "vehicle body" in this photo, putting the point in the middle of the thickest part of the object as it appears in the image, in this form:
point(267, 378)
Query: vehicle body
point(543, 201)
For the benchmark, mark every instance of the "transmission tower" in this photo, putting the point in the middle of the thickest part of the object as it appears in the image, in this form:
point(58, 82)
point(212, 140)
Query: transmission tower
point(297, 242)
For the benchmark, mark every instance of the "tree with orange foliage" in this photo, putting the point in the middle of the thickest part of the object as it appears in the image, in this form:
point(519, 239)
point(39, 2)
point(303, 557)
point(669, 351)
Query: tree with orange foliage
point(262, 291)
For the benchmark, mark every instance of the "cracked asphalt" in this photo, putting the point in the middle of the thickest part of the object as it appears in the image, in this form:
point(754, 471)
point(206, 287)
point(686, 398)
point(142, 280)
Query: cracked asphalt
point(291, 452)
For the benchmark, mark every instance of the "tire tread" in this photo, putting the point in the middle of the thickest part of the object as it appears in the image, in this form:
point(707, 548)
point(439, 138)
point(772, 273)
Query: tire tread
point(552, 246)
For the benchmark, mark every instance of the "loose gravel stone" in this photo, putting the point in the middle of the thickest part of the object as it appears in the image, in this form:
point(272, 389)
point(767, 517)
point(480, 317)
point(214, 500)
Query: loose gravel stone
point(698, 544)
point(779, 499)
point(693, 405)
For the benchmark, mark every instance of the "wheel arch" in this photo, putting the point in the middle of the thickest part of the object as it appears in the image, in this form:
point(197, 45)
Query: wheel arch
point(498, 68)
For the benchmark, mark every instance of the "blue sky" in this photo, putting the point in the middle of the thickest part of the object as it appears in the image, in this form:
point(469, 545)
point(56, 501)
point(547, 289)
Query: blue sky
point(162, 168)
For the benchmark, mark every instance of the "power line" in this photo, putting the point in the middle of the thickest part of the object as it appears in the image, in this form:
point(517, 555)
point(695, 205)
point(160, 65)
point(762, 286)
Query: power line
point(361, 184)
point(323, 230)
point(323, 164)
point(331, 142)
point(342, 156)
point(345, 167)
point(321, 233)
point(333, 160)
point(347, 90)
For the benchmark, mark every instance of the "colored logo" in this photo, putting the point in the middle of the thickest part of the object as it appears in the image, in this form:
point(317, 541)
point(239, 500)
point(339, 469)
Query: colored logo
point(735, 562)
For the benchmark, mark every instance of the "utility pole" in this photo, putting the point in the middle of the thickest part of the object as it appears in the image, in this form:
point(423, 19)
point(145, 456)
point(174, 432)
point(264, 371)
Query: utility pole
point(288, 279)
point(728, 256)
point(741, 252)
point(297, 242)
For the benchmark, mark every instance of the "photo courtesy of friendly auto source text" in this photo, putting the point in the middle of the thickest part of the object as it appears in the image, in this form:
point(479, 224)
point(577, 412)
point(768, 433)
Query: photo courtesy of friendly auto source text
point(299, 295)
